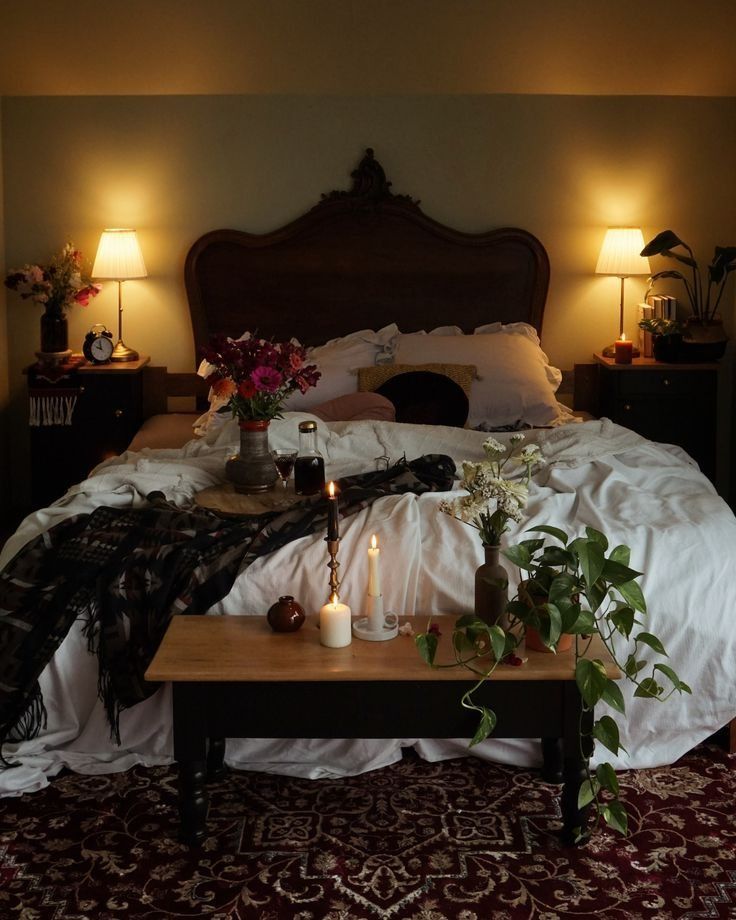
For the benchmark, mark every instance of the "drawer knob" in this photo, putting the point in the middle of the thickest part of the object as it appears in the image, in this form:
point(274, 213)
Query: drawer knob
point(119, 413)
point(627, 407)
point(666, 382)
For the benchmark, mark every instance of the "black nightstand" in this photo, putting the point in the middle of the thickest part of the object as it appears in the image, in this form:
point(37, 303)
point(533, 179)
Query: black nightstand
point(672, 403)
point(80, 414)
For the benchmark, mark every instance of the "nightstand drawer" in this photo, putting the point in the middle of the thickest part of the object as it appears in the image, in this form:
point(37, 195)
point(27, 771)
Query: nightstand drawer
point(658, 383)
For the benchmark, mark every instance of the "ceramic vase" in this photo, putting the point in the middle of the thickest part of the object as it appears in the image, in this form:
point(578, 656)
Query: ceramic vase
point(253, 469)
point(491, 588)
point(286, 615)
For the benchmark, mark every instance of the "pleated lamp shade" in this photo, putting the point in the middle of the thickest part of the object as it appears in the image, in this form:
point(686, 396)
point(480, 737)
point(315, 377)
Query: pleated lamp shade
point(620, 253)
point(119, 256)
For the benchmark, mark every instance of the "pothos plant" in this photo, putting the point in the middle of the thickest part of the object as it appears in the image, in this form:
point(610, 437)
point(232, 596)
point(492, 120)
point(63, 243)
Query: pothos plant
point(582, 587)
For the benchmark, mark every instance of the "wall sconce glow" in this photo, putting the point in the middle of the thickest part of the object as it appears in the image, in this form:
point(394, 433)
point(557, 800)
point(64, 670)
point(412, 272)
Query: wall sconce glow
point(119, 258)
point(620, 255)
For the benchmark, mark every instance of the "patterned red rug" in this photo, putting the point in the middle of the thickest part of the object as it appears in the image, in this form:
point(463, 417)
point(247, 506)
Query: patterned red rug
point(458, 840)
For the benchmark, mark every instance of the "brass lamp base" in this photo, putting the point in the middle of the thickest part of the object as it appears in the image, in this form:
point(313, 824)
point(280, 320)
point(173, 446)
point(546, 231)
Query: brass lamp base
point(121, 352)
point(610, 352)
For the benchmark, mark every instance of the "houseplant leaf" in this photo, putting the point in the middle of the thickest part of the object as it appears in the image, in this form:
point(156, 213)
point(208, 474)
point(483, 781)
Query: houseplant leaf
point(661, 243)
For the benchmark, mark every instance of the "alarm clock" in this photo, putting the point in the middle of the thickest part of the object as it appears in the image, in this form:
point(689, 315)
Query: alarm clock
point(97, 346)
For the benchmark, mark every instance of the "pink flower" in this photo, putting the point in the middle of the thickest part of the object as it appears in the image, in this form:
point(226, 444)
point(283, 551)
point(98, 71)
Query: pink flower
point(295, 361)
point(266, 379)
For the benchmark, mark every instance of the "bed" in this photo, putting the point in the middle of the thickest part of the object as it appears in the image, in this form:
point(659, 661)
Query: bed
point(365, 276)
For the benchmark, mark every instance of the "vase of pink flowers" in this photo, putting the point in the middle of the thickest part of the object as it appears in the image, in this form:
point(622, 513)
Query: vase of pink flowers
point(253, 377)
point(56, 286)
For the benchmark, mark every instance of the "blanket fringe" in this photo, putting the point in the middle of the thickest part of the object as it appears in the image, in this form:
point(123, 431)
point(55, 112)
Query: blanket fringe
point(28, 724)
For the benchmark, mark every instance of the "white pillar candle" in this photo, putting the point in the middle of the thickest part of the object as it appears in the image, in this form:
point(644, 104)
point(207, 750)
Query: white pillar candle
point(374, 575)
point(335, 624)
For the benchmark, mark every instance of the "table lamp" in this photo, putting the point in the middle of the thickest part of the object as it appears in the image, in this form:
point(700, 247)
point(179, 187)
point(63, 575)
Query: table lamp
point(620, 256)
point(119, 258)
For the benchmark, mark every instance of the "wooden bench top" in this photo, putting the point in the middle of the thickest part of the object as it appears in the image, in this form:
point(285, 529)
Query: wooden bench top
point(244, 648)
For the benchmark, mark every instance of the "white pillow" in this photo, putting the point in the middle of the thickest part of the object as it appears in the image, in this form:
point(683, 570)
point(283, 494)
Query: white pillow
point(338, 361)
point(516, 381)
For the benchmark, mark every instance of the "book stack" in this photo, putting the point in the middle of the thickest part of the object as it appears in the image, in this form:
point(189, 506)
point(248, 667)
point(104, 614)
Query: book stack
point(657, 306)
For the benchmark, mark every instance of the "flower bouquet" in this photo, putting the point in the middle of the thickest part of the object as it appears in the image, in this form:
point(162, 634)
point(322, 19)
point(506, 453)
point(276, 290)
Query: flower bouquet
point(57, 286)
point(253, 377)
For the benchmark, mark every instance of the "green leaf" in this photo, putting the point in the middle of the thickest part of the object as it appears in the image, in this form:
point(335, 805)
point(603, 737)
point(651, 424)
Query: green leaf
point(590, 676)
point(648, 689)
point(623, 620)
point(613, 696)
point(620, 554)
point(485, 726)
point(498, 641)
point(562, 587)
point(468, 619)
point(614, 814)
point(605, 730)
point(587, 792)
point(556, 556)
point(650, 640)
point(632, 666)
point(532, 545)
point(519, 555)
point(427, 645)
point(606, 776)
point(632, 594)
point(617, 573)
point(597, 537)
point(552, 531)
point(676, 682)
point(591, 559)
point(583, 624)
point(461, 643)
point(595, 595)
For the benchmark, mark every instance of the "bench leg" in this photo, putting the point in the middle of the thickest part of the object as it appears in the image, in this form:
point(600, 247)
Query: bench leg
point(216, 759)
point(577, 749)
point(193, 801)
point(552, 760)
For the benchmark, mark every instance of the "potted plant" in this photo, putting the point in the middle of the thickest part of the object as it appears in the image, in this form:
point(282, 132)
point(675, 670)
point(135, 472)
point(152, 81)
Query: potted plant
point(590, 590)
point(666, 338)
point(703, 326)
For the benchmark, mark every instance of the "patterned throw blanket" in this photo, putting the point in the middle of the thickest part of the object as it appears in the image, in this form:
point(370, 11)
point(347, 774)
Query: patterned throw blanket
point(127, 572)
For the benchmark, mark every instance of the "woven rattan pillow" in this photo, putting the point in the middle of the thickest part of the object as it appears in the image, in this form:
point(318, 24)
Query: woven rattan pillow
point(371, 378)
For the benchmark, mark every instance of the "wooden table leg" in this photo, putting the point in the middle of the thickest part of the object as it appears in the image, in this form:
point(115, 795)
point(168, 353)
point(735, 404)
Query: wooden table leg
point(577, 748)
point(190, 752)
point(216, 759)
point(193, 801)
point(552, 758)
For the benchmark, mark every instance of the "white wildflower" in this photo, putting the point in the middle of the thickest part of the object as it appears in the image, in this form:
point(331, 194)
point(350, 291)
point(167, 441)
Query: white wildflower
point(493, 448)
point(517, 438)
point(532, 455)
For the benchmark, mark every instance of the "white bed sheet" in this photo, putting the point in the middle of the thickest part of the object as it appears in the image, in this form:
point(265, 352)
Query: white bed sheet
point(649, 496)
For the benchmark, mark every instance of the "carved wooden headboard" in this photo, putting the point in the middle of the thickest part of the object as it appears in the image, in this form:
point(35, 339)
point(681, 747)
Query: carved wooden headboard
point(362, 258)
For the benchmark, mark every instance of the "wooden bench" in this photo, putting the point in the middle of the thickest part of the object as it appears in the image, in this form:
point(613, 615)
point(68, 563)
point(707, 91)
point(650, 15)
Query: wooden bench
point(233, 677)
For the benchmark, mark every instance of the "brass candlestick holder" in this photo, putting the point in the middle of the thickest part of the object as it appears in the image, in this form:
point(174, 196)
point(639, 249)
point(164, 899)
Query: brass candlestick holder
point(332, 548)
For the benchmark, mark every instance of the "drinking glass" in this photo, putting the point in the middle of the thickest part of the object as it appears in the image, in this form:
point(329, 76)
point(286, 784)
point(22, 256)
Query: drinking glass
point(284, 461)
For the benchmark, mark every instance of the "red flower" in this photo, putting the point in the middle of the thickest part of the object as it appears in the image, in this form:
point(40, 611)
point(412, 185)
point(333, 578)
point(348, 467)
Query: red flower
point(247, 389)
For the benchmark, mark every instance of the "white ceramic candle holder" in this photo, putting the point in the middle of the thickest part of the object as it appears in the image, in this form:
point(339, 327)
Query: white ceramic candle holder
point(376, 626)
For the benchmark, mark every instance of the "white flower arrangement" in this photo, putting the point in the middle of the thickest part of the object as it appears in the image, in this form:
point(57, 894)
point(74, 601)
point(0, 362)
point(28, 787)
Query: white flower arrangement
point(493, 499)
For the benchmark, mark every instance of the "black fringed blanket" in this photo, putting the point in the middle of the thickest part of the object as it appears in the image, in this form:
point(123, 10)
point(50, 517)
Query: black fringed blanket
point(126, 572)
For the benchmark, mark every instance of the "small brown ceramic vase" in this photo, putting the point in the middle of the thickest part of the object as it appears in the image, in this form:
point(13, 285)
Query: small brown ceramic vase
point(286, 615)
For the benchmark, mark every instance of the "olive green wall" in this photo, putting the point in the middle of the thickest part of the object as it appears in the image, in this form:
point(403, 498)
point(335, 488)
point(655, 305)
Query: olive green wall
point(563, 167)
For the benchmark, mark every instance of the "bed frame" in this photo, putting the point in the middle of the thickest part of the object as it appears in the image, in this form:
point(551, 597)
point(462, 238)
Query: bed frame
point(362, 258)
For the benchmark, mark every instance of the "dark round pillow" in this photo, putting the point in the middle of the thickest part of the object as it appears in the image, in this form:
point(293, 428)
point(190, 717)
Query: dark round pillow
point(426, 398)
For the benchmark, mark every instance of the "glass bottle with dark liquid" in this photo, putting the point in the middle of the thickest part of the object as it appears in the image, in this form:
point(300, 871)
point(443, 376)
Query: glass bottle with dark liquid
point(309, 468)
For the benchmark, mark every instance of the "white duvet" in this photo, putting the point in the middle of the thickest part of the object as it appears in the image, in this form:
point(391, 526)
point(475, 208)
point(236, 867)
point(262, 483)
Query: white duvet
point(649, 496)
